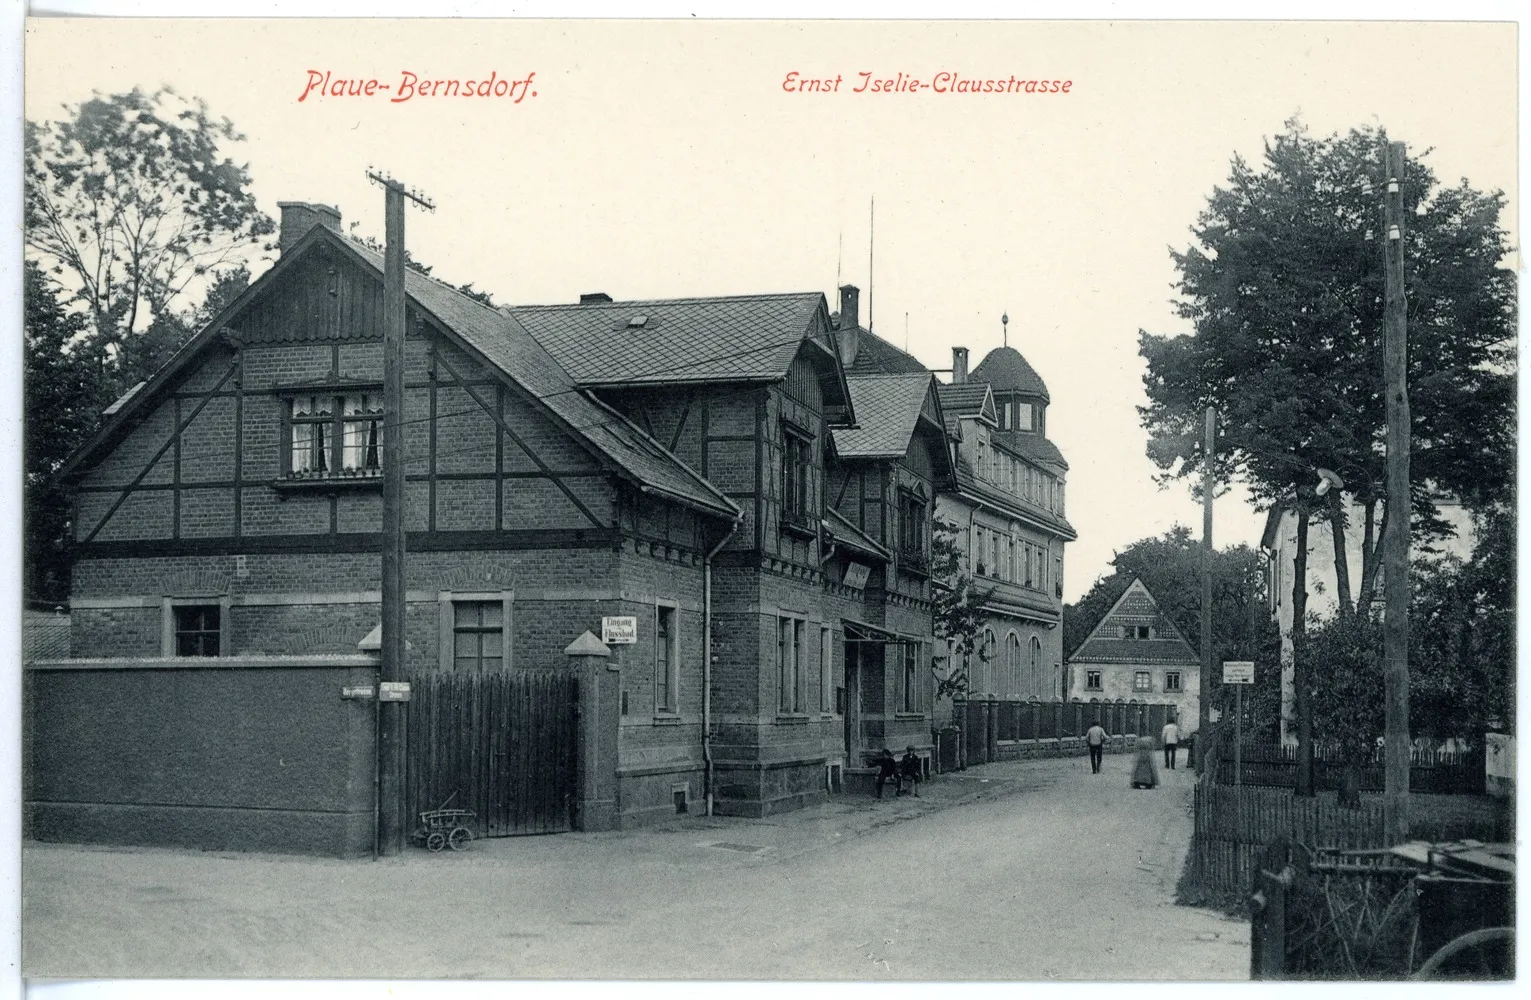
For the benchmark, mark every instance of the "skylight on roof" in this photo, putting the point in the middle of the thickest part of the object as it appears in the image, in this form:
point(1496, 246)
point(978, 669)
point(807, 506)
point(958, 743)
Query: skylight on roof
point(638, 322)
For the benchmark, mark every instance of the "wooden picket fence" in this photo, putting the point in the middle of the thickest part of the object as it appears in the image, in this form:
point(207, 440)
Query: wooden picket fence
point(1445, 772)
point(1234, 824)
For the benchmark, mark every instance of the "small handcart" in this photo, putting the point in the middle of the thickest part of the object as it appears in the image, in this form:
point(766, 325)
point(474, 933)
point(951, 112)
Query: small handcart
point(445, 828)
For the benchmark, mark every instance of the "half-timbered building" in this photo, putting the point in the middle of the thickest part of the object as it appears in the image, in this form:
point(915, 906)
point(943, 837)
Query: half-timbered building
point(670, 461)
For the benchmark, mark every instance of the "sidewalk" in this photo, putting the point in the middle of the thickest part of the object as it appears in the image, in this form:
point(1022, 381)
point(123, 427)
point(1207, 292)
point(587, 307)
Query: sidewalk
point(844, 817)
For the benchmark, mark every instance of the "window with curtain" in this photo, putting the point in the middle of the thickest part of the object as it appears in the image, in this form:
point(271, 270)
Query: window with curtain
point(317, 423)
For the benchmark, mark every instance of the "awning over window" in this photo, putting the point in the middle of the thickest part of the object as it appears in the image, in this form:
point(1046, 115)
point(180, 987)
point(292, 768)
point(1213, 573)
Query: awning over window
point(859, 631)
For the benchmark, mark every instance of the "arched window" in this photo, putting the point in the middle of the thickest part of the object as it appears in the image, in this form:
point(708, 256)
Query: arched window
point(1036, 666)
point(1012, 664)
point(986, 668)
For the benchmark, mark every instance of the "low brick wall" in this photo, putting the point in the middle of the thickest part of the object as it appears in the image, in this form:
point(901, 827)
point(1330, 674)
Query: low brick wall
point(242, 753)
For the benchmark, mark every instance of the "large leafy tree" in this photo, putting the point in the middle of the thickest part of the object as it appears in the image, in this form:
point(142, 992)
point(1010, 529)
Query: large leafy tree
point(138, 229)
point(1170, 566)
point(133, 205)
point(65, 391)
point(1283, 287)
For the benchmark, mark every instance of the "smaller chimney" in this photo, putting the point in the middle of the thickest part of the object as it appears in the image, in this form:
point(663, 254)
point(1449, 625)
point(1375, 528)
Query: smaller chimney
point(850, 323)
point(298, 217)
point(959, 365)
point(593, 298)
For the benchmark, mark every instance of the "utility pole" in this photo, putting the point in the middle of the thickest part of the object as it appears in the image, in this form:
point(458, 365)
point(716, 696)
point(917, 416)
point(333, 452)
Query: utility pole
point(391, 691)
point(1204, 713)
point(1395, 544)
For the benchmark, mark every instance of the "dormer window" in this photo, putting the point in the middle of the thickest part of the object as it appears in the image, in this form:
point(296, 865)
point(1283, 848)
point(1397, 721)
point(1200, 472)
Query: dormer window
point(1023, 417)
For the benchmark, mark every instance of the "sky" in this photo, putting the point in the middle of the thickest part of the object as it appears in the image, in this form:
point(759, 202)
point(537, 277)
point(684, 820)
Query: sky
point(667, 159)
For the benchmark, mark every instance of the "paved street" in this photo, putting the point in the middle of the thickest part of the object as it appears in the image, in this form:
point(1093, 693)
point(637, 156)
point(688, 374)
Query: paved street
point(1026, 871)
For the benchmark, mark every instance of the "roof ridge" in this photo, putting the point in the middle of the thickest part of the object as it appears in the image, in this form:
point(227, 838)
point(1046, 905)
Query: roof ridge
point(679, 300)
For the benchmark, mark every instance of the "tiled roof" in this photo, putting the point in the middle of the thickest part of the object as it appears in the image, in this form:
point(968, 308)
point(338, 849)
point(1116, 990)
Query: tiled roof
point(742, 338)
point(963, 399)
point(887, 409)
point(1136, 606)
point(875, 355)
point(966, 399)
point(1033, 446)
point(508, 346)
point(1007, 371)
point(1102, 650)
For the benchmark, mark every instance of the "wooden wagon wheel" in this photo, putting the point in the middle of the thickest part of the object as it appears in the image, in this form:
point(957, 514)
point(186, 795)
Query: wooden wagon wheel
point(1478, 944)
point(436, 841)
point(459, 839)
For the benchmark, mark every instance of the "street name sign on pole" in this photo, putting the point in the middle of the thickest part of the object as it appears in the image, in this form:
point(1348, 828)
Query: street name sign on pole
point(391, 688)
point(1238, 673)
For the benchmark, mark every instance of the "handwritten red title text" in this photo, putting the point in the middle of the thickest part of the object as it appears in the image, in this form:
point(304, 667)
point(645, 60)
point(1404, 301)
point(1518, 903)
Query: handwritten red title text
point(944, 82)
point(413, 86)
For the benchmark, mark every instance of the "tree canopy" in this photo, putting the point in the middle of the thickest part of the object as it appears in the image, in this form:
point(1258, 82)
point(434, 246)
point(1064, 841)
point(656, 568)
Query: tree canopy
point(139, 229)
point(134, 206)
point(1283, 288)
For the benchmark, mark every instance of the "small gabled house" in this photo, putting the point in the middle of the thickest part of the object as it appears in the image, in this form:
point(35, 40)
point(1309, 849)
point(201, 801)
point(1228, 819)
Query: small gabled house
point(1136, 654)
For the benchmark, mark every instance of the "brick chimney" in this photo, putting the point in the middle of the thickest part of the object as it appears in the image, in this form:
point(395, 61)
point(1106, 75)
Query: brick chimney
point(849, 335)
point(298, 217)
point(959, 365)
point(593, 298)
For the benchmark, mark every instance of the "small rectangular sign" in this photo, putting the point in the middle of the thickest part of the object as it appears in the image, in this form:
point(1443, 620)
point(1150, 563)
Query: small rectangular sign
point(1238, 672)
point(393, 691)
point(856, 576)
point(619, 630)
point(358, 691)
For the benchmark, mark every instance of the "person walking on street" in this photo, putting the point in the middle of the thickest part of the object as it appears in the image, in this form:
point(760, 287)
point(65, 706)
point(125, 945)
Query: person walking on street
point(1143, 773)
point(1095, 739)
point(1170, 737)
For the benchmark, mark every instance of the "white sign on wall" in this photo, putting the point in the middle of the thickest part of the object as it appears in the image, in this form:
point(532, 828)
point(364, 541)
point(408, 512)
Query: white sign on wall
point(1238, 672)
point(856, 576)
point(619, 630)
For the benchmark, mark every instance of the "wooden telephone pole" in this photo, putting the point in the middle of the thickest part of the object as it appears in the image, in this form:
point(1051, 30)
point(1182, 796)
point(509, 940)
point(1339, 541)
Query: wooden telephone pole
point(1204, 714)
point(392, 691)
point(1395, 543)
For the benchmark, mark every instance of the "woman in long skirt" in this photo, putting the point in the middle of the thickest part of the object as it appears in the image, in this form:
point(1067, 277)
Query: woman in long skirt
point(1144, 773)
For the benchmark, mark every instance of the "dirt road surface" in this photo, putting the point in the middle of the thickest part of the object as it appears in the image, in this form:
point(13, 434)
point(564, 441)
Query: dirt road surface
point(1023, 871)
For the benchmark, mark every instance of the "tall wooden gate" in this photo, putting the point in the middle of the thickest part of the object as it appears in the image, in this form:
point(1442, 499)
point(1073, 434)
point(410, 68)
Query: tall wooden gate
point(503, 744)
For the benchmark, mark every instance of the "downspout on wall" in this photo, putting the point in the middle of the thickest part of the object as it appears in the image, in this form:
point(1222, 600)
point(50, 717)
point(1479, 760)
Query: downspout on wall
point(707, 659)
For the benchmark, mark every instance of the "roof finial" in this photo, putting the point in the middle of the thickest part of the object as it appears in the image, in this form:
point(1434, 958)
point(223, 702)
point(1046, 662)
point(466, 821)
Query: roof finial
point(1004, 322)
